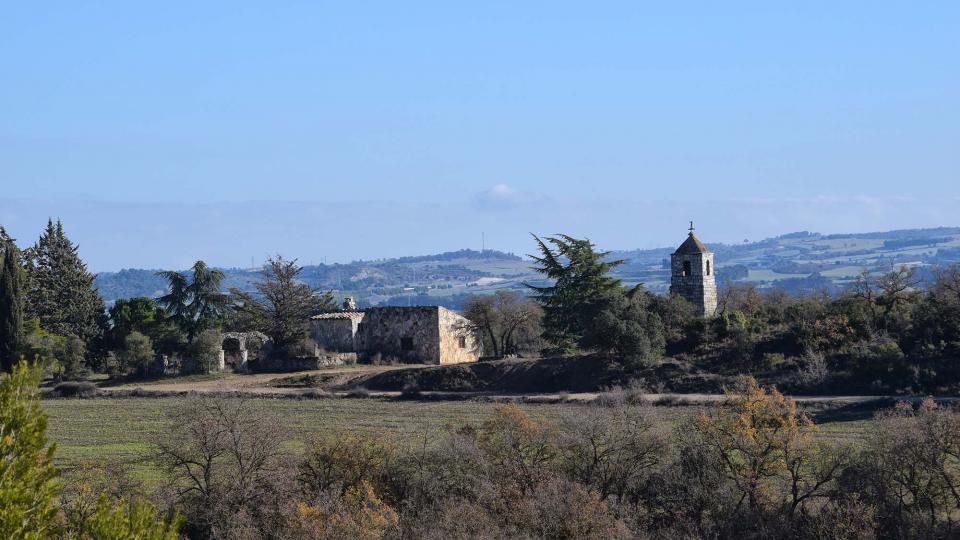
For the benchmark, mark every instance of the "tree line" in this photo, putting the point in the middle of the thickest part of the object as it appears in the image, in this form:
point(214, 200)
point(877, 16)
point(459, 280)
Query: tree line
point(884, 334)
point(51, 313)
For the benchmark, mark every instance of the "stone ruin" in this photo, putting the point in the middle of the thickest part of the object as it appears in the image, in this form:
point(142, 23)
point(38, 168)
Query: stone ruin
point(235, 348)
point(420, 334)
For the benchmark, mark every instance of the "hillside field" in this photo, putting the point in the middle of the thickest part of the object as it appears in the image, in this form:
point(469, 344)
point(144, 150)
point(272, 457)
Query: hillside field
point(123, 428)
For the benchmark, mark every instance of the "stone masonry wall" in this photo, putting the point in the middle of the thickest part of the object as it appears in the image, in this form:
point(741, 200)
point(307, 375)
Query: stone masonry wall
point(698, 288)
point(334, 335)
point(453, 349)
point(409, 334)
point(427, 334)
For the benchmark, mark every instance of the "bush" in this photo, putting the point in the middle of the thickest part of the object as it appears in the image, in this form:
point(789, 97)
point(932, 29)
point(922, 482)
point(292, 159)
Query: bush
point(410, 391)
point(136, 356)
point(73, 361)
point(204, 352)
point(358, 392)
point(81, 389)
point(634, 393)
point(814, 371)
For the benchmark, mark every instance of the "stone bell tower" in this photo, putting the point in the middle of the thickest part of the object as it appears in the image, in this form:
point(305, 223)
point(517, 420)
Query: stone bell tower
point(691, 274)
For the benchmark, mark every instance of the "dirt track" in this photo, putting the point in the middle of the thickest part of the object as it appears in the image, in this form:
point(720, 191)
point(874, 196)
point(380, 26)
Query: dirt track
point(262, 384)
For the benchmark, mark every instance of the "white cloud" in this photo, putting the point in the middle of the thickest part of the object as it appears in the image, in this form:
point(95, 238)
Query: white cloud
point(502, 196)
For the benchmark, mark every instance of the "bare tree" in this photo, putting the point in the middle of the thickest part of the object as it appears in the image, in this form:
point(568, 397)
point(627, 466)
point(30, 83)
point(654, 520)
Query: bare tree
point(610, 449)
point(506, 321)
point(947, 283)
point(743, 298)
point(221, 456)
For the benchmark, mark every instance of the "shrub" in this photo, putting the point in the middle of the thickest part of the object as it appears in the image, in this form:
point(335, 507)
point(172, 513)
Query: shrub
point(411, 390)
point(635, 393)
point(136, 356)
point(814, 370)
point(221, 457)
point(204, 352)
point(74, 353)
point(82, 389)
point(358, 392)
point(910, 470)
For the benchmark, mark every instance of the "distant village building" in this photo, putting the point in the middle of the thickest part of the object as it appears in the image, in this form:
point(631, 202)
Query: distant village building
point(423, 334)
point(692, 274)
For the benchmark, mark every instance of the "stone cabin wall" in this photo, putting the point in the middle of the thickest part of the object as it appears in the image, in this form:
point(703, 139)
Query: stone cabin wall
point(428, 334)
point(334, 335)
point(457, 343)
point(409, 334)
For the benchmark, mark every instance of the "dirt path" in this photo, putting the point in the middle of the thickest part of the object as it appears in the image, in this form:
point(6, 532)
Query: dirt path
point(252, 382)
point(262, 384)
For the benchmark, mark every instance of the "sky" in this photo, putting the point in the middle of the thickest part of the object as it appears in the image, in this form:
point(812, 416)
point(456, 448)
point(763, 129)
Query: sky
point(162, 133)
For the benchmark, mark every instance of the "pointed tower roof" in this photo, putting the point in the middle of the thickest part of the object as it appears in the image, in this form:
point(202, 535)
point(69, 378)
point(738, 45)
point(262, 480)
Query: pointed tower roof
point(692, 245)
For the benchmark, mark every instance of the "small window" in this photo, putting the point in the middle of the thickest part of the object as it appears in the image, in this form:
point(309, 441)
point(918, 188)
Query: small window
point(708, 268)
point(462, 341)
point(686, 268)
point(406, 344)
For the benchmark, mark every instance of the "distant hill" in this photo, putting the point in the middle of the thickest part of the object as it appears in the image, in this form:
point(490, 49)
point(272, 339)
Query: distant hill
point(797, 262)
point(370, 282)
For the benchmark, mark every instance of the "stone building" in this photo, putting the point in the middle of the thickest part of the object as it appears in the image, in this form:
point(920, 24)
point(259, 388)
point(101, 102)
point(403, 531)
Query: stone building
point(692, 274)
point(422, 334)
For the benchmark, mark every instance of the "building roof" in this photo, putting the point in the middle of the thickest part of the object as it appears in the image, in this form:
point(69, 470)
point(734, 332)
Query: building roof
point(692, 245)
point(339, 315)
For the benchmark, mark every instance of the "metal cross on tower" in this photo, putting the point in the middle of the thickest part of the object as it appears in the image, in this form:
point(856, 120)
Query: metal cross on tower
point(691, 227)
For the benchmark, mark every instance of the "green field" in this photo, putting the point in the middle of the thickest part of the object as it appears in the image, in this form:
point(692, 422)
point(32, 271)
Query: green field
point(112, 429)
point(123, 428)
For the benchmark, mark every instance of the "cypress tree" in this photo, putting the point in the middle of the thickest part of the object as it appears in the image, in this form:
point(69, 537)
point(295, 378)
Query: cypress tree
point(11, 308)
point(60, 291)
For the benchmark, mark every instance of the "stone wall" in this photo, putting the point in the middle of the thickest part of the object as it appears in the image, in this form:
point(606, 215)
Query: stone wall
point(423, 334)
point(458, 343)
point(301, 363)
point(700, 286)
point(336, 334)
point(409, 334)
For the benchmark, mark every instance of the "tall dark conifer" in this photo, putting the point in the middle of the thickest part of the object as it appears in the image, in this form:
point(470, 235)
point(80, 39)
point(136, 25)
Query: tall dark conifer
point(60, 291)
point(11, 307)
point(581, 288)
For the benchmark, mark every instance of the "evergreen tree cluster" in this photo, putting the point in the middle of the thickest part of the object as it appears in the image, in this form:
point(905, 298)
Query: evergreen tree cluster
point(60, 292)
point(11, 303)
point(49, 308)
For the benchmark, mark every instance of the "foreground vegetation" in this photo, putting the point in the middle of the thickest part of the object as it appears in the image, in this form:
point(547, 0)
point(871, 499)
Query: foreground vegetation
point(331, 468)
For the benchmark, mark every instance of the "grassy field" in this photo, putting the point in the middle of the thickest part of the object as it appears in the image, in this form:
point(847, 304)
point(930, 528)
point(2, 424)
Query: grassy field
point(111, 429)
point(122, 428)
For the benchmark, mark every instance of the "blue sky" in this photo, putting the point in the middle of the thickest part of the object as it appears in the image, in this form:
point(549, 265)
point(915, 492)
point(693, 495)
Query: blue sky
point(335, 131)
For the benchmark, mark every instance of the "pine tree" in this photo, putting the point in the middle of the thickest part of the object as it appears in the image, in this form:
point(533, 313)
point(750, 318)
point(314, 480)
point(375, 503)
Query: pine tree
point(4, 240)
point(28, 491)
point(29, 495)
point(581, 290)
point(11, 307)
point(285, 303)
point(198, 304)
point(60, 291)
